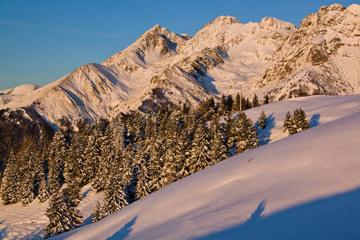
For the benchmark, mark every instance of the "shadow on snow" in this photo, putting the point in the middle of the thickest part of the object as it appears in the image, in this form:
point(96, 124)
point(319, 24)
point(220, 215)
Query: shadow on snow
point(314, 120)
point(264, 134)
point(335, 217)
point(124, 232)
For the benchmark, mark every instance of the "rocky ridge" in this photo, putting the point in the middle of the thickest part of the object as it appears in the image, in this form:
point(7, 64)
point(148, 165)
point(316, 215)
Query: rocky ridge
point(272, 57)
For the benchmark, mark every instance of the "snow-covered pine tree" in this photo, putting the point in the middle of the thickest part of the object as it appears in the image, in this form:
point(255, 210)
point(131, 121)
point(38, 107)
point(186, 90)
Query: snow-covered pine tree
point(255, 101)
point(300, 121)
point(200, 152)
point(262, 121)
point(127, 172)
point(56, 160)
point(113, 201)
point(27, 186)
point(168, 171)
point(244, 133)
point(182, 152)
point(74, 170)
point(143, 187)
point(93, 154)
point(119, 131)
point(229, 135)
point(98, 213)
point(218, 150)
point(44, 193)
point(288, 123)
point(62, 212)
point(9, 191)
point(157, 149)
point(106, 162)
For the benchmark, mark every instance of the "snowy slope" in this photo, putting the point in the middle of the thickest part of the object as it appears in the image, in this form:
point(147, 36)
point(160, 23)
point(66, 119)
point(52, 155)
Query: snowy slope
point(271, 57)
point(8, 95)
point(18, 222)
point(302, 187)
point(234, 188)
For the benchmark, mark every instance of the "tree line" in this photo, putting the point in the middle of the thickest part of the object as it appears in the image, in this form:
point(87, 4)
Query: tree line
point(127, 157)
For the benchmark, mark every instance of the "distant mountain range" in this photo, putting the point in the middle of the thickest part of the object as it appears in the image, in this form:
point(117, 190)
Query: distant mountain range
point(273, 57)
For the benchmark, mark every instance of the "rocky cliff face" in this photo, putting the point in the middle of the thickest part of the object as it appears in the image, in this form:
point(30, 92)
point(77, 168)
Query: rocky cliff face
point(273, 57)
point(321, 56)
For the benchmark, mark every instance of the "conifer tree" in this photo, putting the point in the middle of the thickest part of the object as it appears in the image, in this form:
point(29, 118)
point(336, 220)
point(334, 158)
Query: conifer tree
point(143, 187)
point(288, 123)
point(244, 133)
point(93, 153)
point(229, 135)
point(200, 151)
point(62, 212)
point(27, 187)
point(255, 101)
point(113, 201)
point(218, 148)
point(9, 191)
point(44, 193)
point(237, 102)
point(262, 120)
point(74, 167)
point(300, 121)
point(98, 213)
point(56, 160)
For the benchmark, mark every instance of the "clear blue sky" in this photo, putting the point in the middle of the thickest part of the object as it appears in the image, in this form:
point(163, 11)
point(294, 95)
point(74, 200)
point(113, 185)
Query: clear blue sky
point(43, 40)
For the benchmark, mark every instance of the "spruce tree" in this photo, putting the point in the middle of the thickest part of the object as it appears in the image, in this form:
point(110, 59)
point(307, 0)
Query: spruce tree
point(296, 123)
point(244, 133)
point(300, 121)
point(218, 150)
point(27, 187)
point(9, 191)
point(143, 187)
point(56, 161)
point(255, 101)
point(44, 193)
point(114, 200)
point(200, 151)
point(262, 120)
point(288, 123)
point(62, 212)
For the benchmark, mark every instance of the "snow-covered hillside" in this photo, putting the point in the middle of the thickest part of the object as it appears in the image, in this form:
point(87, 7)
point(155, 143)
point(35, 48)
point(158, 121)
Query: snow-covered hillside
point(298, 187)
point(302, 187)
point(10, 94)
point(271, 57)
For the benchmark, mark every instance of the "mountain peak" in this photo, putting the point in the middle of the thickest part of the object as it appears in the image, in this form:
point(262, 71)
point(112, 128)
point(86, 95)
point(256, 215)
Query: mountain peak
point(225, 20)
point(333, 7)
point(354, 8)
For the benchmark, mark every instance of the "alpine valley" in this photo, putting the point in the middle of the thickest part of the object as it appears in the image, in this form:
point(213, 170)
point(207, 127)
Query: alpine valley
point(272, 58)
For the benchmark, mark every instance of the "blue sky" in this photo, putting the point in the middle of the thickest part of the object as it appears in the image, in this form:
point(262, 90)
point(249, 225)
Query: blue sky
point(43, 40)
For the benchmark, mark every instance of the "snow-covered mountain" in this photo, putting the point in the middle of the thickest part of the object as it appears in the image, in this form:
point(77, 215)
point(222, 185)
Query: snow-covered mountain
point(299, 187)
point(226, 56)
point(10, 94)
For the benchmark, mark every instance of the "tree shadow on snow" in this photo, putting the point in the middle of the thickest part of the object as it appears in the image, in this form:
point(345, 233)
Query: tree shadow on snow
point(315, 120)
point(335, 217)
point(88, 220)
point(264, 134)
point(124, 232)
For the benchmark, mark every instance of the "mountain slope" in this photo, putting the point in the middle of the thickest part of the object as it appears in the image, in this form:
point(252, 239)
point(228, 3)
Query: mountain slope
point(19, 222)
point(8, 95)
point(322, 56)
point(302, 187)
point(226, 56)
